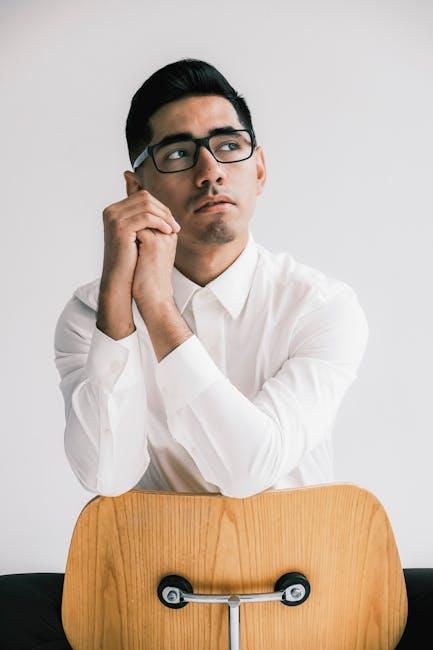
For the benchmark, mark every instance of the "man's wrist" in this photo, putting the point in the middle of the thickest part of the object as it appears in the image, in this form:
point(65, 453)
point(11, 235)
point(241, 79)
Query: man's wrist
point(156, 308)
point(166, 326)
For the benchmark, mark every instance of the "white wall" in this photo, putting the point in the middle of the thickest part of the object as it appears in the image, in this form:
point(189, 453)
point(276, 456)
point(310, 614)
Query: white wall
point(342, 102)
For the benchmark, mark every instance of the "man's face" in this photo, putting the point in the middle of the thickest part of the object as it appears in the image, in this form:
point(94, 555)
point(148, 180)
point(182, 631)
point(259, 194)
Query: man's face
point(242, 181)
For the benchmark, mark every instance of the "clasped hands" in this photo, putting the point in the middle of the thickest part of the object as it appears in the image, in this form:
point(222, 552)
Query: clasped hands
point(152, 285)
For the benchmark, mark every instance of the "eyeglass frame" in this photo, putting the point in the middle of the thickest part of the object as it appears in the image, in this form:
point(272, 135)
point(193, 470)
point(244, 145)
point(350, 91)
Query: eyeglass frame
point(199, 142)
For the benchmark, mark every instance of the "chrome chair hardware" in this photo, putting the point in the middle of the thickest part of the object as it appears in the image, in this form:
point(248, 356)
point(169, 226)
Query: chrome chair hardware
point(176, 591)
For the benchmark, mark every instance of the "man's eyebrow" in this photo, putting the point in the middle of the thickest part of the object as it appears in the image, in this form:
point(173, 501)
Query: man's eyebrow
point(174, 137)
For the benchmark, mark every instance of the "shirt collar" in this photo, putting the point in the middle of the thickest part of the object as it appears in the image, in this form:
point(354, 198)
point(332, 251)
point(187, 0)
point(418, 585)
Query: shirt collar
point(231, 287)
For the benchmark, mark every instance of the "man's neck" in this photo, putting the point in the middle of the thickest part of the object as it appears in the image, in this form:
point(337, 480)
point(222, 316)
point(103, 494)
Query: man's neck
point(204, 266)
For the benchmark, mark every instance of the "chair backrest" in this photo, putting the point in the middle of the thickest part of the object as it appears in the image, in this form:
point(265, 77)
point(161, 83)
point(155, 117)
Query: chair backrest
point(337, 535)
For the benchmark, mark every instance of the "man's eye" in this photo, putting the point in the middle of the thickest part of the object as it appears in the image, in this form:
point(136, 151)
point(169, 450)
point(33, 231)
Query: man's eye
point(175, 151)
point(236, 145)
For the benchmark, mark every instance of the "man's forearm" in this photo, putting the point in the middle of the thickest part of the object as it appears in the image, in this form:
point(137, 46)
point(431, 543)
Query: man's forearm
point(167, 328)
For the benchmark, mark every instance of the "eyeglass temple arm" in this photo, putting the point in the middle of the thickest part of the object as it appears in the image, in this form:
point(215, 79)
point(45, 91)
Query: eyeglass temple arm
point(144, 154)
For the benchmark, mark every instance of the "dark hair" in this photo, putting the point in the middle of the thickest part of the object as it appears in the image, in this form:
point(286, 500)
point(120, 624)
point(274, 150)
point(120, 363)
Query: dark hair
point(183, 78)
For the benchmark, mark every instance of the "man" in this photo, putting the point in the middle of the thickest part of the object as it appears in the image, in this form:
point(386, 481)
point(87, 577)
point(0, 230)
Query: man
point(199, 361)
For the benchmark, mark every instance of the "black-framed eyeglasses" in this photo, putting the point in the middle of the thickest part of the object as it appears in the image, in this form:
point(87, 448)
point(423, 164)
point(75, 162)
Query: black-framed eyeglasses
point(226, 147)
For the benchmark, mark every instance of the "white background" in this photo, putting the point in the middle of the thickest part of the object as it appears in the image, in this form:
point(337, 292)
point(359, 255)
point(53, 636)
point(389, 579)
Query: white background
point(341, 97)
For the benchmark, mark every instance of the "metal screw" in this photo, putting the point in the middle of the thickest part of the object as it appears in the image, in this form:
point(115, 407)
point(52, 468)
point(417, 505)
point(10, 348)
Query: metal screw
point(171, 595)
point(295, 592)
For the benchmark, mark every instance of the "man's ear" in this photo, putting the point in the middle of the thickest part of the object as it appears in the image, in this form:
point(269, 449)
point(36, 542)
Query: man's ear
point(261, 169)
point(133, 184)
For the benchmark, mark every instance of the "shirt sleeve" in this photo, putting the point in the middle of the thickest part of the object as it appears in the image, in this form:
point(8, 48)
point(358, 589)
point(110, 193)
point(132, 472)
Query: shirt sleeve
point(103, 387)
point(245, 446)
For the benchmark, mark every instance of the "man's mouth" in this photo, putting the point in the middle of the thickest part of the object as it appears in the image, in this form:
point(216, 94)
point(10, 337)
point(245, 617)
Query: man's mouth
point(215, 207)
point(210, 201)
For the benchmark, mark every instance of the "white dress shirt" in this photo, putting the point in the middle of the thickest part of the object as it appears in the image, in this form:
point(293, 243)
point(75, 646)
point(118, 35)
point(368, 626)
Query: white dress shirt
point(244, 405)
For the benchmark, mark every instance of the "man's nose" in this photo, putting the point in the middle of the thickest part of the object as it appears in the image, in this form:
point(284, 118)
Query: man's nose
point(206, 164)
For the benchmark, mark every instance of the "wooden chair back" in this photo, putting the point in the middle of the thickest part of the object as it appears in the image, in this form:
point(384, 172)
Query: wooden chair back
point(337, 535)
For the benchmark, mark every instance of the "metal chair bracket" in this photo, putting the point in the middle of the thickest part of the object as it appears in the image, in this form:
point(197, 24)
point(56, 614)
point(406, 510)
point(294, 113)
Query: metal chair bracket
point(290, 589)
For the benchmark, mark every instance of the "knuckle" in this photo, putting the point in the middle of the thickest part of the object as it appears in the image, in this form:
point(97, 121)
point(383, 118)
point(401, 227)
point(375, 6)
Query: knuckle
point(112, 216)
point(107, 212)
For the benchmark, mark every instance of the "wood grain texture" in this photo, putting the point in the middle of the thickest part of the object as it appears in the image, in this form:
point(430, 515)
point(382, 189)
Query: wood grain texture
point(337, 535)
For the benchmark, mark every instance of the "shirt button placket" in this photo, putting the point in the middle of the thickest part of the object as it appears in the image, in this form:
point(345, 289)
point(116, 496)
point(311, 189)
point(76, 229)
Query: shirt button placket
point(209, 322)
